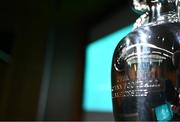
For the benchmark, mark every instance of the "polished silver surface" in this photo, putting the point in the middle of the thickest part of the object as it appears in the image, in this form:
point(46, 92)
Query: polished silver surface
point(142, 6)
point(146, 66)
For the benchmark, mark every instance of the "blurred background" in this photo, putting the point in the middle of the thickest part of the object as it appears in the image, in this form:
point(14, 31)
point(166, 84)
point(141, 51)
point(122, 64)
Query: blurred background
point(55, 57)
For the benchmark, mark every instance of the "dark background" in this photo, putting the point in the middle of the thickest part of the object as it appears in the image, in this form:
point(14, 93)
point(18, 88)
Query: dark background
point(46, 41)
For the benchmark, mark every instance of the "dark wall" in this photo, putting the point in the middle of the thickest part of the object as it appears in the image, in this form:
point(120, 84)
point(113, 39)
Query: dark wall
point(66, 74)
point(44, 79)
point(22, 76)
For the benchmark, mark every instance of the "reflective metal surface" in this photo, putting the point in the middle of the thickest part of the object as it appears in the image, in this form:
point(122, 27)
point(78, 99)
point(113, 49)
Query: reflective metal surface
point(142, 6)
point(146, 70)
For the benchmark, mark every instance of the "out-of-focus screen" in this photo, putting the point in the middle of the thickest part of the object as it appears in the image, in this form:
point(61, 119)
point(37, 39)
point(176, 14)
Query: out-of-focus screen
point(97, 80)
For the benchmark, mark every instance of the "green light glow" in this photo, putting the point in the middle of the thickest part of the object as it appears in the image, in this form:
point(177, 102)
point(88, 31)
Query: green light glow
point(97, 88)
point(5, 57)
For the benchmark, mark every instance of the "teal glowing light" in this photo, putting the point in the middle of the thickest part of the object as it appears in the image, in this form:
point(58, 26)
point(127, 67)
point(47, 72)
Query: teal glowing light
point(97, 87)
